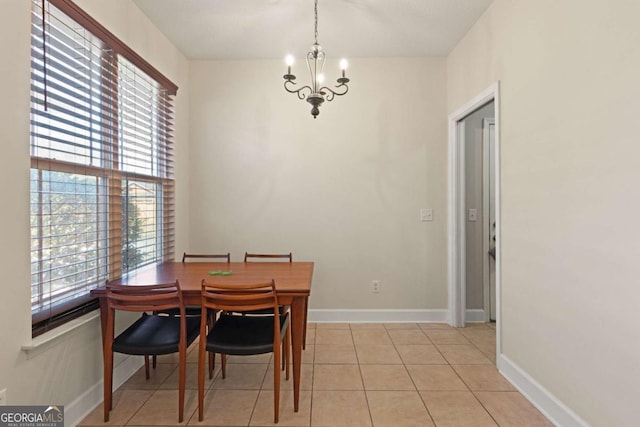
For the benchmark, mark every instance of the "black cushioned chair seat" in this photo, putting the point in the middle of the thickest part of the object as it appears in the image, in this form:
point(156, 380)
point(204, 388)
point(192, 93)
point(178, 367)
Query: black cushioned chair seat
point(150, 335)
point(244, 335)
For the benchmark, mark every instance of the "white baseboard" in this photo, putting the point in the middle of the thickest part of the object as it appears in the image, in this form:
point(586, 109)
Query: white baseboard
point(556, 411)
point(474, 315)
point(90, 399)
point(378, 316)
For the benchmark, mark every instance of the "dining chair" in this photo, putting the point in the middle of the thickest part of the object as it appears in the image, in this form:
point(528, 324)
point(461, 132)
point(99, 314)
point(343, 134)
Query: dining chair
point(233, 334)
point(248, 257)
point(259, 257)
point(151, 334)
point(186, 256)
point(192, 311)
point(195, 311)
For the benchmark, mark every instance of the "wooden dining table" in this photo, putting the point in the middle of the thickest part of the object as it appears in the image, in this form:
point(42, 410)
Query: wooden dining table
point(293, 287)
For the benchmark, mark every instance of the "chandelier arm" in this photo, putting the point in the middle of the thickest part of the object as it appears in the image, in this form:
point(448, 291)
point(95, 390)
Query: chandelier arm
point(299, 92)
point(332, 93)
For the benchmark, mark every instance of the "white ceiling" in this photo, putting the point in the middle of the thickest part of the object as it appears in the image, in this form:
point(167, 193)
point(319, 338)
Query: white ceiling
point(269, 29)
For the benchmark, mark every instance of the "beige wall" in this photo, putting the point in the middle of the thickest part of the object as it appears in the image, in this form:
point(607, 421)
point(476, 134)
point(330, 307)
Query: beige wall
point(14, 169)
point(569, 159)
point(63, 372)
point(343, 190)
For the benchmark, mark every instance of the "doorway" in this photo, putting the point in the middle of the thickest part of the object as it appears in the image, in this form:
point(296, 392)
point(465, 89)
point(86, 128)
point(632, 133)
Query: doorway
point(479, 221)
point(474, 221)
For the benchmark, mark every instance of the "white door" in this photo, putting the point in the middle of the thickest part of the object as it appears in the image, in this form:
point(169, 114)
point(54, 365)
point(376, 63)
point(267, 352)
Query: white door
point(488, 141)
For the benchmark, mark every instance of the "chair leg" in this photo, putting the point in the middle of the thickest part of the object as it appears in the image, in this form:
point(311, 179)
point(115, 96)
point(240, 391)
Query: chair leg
point(282, 312)
point(108, 382)
point(276, 384)
point(181, 382)
point(212, 364)
point(201, 356)
point(146, 366)
point(223, 365)
point(154, 361)
point(287, 352)
point(111, 387)
point(205, 327)
point(211, 314)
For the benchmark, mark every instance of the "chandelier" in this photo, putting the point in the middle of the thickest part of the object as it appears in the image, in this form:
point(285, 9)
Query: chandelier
point(315, 94)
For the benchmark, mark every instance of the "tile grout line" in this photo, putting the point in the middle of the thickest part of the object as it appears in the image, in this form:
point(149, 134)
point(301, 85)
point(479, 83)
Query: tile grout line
point(469, 388)
point(262, 384)
point(404, 365)
point(366, 396)
point(313, 374)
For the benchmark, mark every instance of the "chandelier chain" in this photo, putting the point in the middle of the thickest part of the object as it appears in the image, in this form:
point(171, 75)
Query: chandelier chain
point(316, 20)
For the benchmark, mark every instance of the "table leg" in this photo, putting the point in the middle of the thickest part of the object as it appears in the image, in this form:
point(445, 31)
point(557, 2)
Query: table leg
point(297, 331)
point(103, 320)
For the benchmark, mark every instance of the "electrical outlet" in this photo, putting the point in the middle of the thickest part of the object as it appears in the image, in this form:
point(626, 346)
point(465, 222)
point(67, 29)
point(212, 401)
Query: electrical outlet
point(3, 397)
point(375, 286)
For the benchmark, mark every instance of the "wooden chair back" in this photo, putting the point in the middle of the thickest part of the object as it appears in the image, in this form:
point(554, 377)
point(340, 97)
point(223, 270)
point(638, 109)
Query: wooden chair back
point(248, 256)
point(237, 298)
point(156, 297)
point(226, 256)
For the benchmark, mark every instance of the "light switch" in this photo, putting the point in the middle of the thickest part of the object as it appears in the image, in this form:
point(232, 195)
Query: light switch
point(473, 214)
point(426, 214)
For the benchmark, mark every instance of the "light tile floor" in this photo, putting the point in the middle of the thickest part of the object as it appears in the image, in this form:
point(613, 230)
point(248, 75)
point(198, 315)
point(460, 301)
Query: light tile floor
point(353, 375)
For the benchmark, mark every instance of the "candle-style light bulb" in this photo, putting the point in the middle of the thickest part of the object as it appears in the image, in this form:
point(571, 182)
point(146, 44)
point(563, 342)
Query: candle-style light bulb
point(289, 61)
point(343, 66)
point(320, 79)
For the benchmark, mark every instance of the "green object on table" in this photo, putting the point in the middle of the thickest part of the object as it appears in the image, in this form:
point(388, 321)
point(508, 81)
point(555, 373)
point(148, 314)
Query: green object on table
point(220, 273)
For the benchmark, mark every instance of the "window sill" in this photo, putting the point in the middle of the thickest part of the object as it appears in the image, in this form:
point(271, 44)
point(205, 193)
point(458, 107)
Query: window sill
point(51, 338)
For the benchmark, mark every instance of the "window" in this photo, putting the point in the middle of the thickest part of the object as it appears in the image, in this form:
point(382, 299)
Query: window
point(101, 162)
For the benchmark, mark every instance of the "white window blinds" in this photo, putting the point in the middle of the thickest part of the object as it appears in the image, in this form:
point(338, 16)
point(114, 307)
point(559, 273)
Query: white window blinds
point(101, 158)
